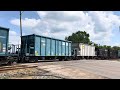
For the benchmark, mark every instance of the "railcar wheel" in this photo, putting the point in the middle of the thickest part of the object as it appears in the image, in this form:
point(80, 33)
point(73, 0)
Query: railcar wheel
point(9, 63)
point(14, 62)
point(60, 59)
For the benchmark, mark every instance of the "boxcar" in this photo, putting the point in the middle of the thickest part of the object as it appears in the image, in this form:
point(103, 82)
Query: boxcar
point(80, 51)
point(36, 47)
point(6, 56)
point(102, 53)
point(113, 54)
point(118, 53)
point(4, 33)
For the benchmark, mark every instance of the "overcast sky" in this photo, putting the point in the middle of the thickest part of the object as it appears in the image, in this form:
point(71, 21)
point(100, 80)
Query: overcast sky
point(103, 26)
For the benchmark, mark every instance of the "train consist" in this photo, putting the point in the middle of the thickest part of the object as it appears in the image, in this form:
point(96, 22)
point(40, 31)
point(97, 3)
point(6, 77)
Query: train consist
point(35, 47)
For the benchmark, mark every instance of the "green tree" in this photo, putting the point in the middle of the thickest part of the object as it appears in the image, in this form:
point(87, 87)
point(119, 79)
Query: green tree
point(96, 45)
point(79, 37)
point(116, 48)
point(108, 47)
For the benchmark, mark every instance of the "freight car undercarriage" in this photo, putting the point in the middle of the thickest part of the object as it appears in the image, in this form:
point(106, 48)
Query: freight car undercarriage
point(8, 60)
point(44, 58)
point(83, 57)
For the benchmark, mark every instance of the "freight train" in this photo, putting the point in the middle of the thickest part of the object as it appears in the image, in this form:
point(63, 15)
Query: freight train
point(36, 47)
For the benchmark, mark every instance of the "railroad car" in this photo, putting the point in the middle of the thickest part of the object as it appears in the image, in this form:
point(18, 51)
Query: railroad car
point(83, 51)
point(113, 54)
point(36, 47)
point(5, 56)
point(4, 33)
point(102, 53)
point(118, 53)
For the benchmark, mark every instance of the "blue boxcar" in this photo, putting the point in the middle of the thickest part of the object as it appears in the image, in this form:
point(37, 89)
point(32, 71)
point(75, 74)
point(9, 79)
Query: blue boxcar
point(36, 45)
point(4, 33)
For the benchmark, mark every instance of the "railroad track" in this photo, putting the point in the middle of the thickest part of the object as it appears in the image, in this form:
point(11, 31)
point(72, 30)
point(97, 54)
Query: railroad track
point(15, 67)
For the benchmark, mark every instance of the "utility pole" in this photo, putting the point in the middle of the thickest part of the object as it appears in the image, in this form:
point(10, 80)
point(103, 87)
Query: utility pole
point(119, 28)
point(20, 24)
point(21, 31)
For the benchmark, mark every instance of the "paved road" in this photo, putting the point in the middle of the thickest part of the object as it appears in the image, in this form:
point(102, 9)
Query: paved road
point(106, 68)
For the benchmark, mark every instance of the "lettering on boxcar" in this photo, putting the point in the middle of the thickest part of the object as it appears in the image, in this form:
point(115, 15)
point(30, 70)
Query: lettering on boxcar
point(36, 53)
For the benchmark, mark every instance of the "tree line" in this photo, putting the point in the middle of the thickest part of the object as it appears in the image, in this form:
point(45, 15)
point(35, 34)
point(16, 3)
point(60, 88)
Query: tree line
point(83, 37)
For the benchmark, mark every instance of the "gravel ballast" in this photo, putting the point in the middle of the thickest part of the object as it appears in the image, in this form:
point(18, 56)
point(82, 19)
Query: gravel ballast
point(29, 73)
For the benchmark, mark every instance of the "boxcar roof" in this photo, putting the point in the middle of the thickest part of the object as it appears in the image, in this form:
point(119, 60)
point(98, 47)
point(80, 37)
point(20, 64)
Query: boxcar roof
point(4, 28)
point(48, 37)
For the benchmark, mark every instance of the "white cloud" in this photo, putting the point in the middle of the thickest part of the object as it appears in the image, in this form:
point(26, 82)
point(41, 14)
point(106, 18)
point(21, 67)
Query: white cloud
point(104, 23)
point(14, 38)
point(26, 22)
point(115, 44)
point(58, 24)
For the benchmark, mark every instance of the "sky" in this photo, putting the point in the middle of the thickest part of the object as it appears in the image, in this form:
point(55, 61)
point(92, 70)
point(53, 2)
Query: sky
point(102, 26)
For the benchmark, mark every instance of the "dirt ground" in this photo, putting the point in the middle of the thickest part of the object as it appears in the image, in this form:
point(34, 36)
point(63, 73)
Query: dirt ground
point(72, 73)
point(78, 69)
point(92, 69)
